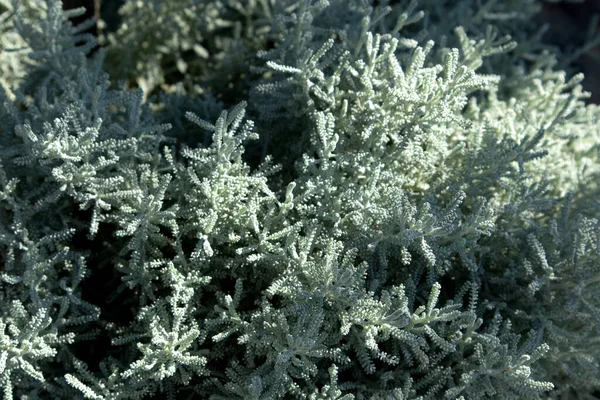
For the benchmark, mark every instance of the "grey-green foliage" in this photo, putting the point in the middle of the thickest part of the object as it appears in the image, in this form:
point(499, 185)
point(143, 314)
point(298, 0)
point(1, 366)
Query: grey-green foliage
point(333, 200)
point(206, 43)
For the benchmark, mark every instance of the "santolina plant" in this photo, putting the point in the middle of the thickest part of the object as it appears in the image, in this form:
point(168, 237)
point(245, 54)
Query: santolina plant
point(296, 199)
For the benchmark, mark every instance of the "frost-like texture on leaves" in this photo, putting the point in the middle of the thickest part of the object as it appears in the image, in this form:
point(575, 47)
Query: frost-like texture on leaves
point(296, 199)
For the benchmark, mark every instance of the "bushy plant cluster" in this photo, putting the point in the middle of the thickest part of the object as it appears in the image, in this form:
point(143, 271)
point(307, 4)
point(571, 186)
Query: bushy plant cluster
point(296, 199)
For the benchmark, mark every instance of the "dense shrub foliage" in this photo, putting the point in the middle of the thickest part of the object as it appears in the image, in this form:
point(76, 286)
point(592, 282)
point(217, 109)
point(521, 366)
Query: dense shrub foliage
point(311, 199)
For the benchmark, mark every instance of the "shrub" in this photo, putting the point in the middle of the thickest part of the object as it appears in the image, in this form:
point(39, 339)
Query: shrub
point(313, 199)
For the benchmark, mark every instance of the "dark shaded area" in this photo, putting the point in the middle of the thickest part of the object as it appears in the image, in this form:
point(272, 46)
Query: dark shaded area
point(90, 11)
point(569, 23)
point(107, 10)
point(101, 282)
